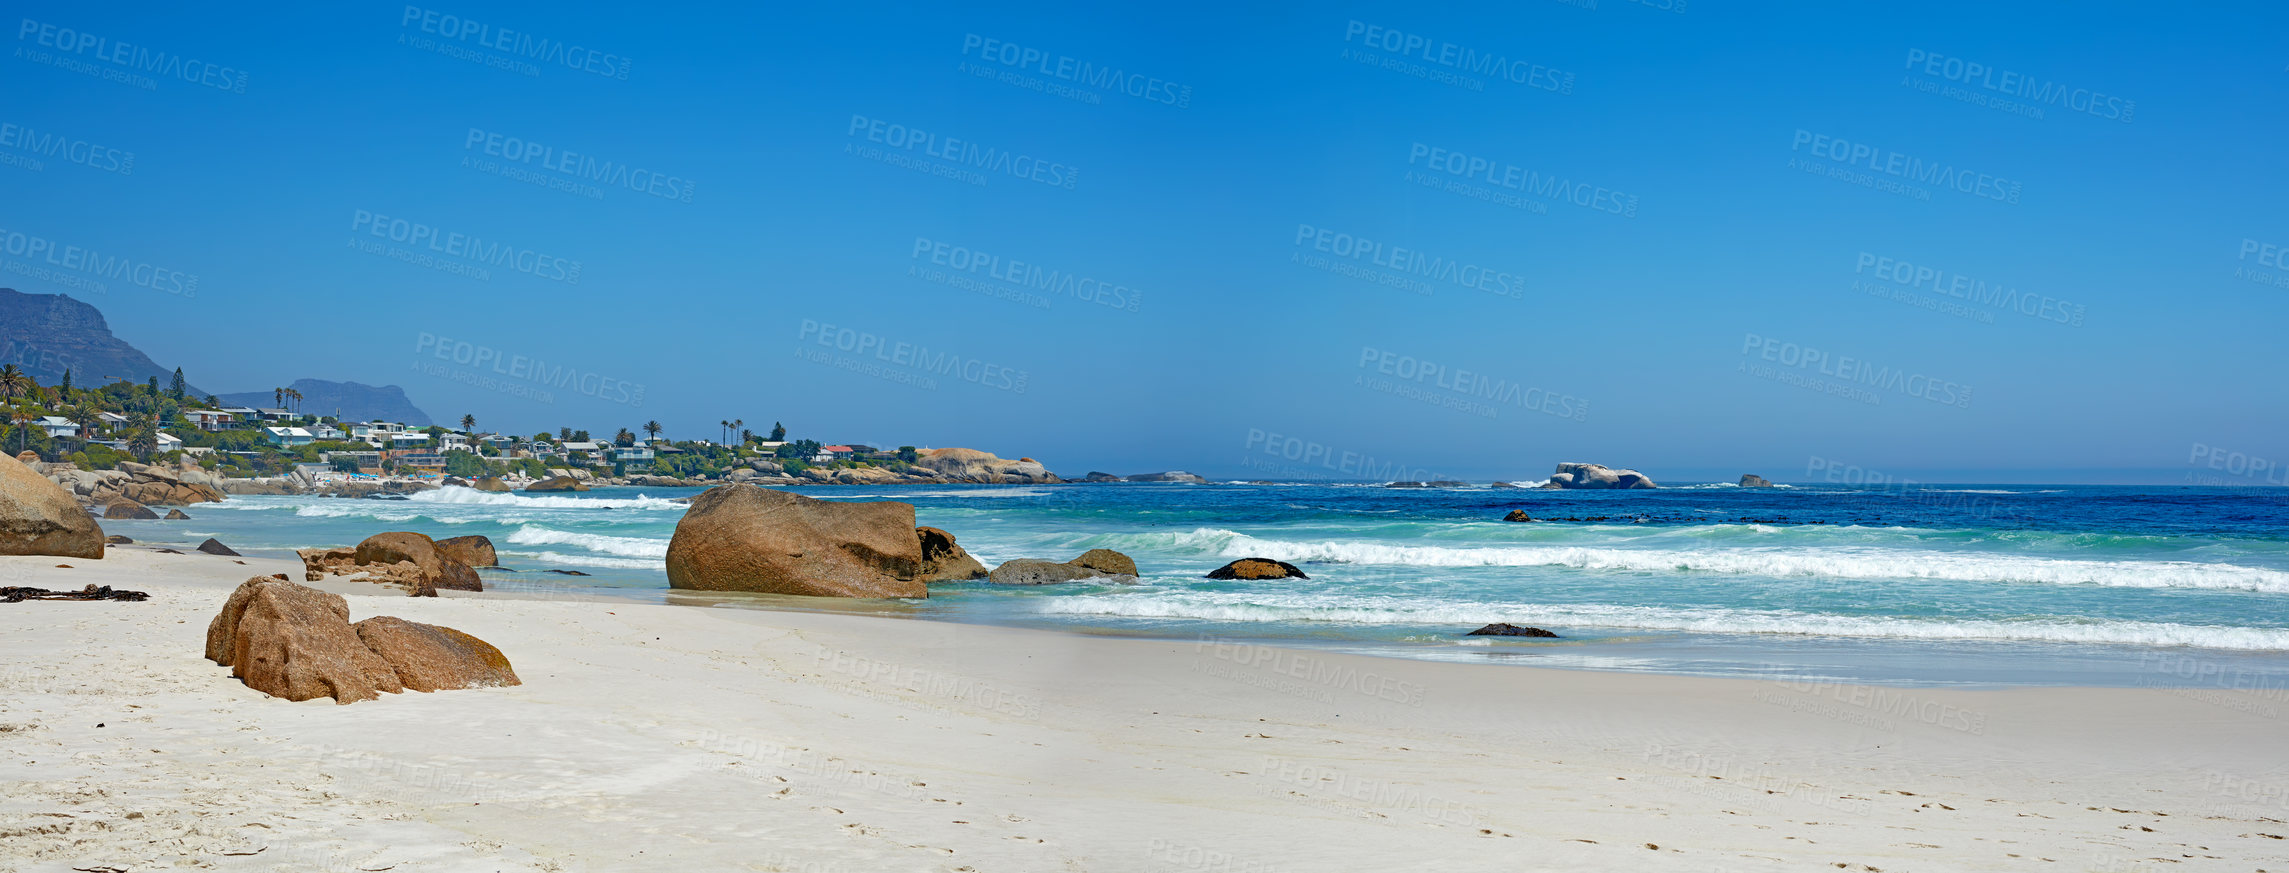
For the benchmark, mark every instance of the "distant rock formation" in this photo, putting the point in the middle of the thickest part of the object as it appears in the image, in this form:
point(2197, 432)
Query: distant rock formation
point(1095, 476)
point(1752, 480)
point(971, 465)
point(1597, 476)
point(349, 401)
point(1170, 476)
point(46, 334)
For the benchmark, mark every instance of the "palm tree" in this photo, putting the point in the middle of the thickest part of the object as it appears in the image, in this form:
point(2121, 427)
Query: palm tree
point(295, 396)
point(87, 418)
point(278, 397)
point(653, 428)
point(624, 438)
point(737, 423)
point(723, 429)
point(23, 426)
point(145, 442)
point(13, 382)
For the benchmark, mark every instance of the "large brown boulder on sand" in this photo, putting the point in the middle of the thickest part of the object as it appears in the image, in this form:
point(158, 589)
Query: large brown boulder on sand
point(490, 483)
point(473, 550)
point(944, 560)
point(432, 658)
point(418, 549)
point(291, 641)
point(296, 642)
point(38, 517)
point(746, 538)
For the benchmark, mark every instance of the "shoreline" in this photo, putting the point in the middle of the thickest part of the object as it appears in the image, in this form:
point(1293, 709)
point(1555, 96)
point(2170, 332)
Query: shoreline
point(824, 743)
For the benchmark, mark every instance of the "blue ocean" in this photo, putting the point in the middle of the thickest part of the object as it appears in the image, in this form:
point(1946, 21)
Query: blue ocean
point(1932, 584)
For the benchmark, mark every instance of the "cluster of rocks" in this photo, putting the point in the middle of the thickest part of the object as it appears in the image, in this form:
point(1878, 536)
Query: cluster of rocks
point(1094, 565)
point(406, 560)
point(1597, 476)
point(743, 537)
point(296, 642)
point(133, 486)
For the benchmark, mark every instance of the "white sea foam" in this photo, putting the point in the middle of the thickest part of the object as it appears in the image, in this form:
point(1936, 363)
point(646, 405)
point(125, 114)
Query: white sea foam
point(632, 547)
point(950, 492)
point(588, 560)
point(1390, 610)
point(1839, 563)
point(457, 495)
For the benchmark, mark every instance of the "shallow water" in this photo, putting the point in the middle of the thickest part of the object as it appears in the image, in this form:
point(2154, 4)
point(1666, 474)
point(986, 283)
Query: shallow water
point(1975, 585)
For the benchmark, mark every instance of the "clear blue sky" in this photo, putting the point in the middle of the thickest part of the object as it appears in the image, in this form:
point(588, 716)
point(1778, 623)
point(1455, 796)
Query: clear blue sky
point(2124, 207)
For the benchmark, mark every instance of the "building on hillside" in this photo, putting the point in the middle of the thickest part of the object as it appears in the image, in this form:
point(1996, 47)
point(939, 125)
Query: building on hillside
point(209, 419)
point(636, 457)
point(401, 441)
point(111, 422)
point(288, 437)
point(420, 461)
point(364, 460)
point(276, 414)
point(327, 431)
point(57, 426)
point(450, 441)
point(169, 442)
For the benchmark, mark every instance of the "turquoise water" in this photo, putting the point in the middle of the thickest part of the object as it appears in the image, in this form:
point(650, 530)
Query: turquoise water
point(1936, 584)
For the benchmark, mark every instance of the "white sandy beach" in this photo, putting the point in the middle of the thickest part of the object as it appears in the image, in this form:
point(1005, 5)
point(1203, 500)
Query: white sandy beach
point(687, 739)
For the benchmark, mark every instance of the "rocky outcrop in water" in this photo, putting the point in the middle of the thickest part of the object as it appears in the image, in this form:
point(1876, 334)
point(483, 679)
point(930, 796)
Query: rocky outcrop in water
point(1597, 476)
point(1752, 480)
point(944, 560)
point(1257, 568)
point(973, 466)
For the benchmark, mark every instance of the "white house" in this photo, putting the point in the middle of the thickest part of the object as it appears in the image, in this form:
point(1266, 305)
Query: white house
point(408, 440)
point(286, 436)
point(326, 432)
point(449, 441)
point(57, 426)
point(169, 442)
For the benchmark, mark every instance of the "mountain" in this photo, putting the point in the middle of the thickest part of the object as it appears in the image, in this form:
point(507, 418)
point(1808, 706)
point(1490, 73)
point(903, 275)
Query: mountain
point(45, 334)
point(350, 401)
